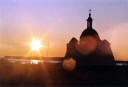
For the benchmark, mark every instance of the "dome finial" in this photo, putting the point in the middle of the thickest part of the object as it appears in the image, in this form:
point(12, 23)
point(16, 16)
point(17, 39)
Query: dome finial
point(89, 12)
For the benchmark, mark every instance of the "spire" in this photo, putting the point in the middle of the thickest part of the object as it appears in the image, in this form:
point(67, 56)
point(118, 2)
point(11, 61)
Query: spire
point(89, 20)
point(90, 12)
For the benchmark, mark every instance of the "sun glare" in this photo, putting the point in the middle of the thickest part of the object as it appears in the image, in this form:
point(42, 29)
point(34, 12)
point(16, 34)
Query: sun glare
point(36, 45)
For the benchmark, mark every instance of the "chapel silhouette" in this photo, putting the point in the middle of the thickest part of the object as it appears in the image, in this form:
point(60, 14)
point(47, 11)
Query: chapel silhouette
point(101, 56)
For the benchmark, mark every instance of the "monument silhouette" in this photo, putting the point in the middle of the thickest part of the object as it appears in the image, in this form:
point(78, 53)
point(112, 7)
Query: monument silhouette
point(102, 55)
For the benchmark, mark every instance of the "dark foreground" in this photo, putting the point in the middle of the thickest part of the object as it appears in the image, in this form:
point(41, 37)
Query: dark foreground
point(52, 74)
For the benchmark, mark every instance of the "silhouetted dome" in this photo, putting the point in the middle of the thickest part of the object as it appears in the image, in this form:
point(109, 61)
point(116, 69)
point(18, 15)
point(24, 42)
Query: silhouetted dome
point(90, 32)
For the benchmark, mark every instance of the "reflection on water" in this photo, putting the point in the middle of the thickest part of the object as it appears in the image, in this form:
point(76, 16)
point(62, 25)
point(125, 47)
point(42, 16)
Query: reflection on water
point(122, 64)
point(30, 61)
point(36, 61)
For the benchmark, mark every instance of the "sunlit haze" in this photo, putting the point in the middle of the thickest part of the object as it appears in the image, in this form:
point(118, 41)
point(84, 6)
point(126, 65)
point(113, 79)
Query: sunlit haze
point(55, 22)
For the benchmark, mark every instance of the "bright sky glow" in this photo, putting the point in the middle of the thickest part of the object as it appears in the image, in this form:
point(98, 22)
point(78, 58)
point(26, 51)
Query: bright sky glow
point(57, 21)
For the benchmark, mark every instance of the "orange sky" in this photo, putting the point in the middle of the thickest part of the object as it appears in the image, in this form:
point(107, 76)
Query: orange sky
point(56, 22)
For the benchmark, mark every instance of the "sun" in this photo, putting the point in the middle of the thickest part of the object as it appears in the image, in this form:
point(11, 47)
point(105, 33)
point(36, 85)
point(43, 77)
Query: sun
point(36, 45)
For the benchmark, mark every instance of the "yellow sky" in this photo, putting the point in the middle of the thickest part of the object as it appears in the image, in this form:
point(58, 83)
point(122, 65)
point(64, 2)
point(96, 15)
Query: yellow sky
point(56, 22)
